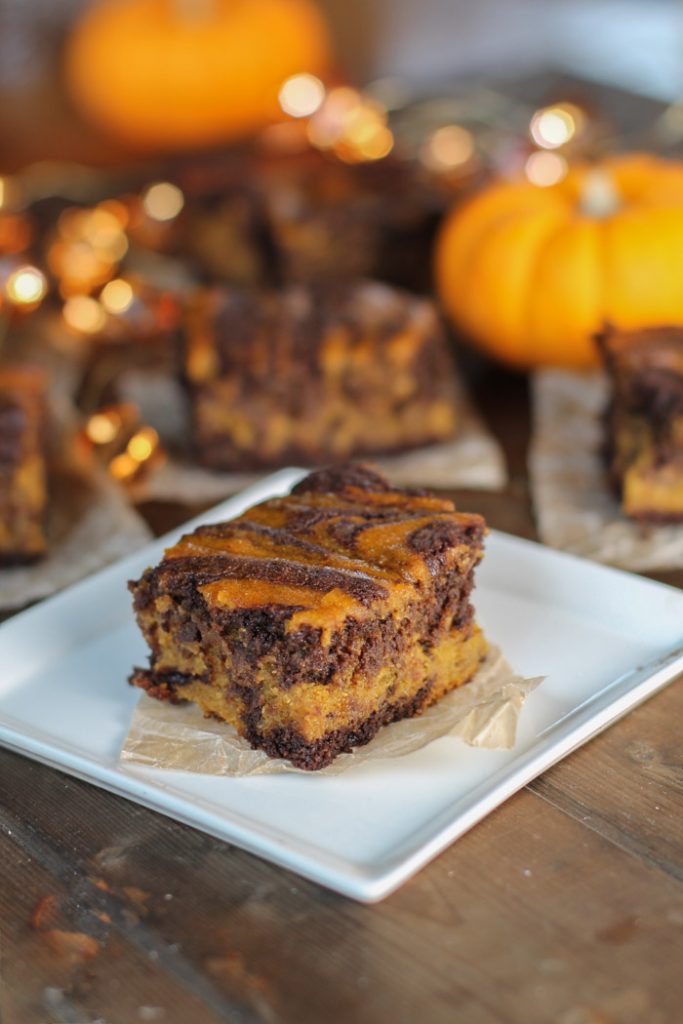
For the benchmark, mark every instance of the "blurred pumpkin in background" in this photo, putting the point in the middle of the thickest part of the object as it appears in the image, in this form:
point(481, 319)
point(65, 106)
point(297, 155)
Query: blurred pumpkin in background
point(174, 74)
point(531, 273)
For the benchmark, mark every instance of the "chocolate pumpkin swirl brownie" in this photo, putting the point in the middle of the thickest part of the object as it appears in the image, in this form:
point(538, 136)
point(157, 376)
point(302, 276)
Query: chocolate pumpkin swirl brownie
point(311, 620)
point(645, 420)
point(23, 473)
point(306, 376)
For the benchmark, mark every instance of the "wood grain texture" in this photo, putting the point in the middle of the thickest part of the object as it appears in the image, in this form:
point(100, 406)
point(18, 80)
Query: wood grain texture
point(535, 915)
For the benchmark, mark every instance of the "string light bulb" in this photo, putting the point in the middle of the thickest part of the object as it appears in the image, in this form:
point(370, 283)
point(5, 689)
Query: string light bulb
point(26, 286)
point(102, 427)
point(447, 148)
point(301, 95)
point(353, 126)
point(84, 314)
point(555, 126)
point(163, 201)
point(117, 296)
point(143, 444)
point(545, 169)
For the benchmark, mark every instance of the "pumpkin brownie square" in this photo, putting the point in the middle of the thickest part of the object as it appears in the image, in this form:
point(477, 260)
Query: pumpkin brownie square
point(313, 619)
point(327, 219)
point(314, 376)
point(644, 420)
point(23, 472)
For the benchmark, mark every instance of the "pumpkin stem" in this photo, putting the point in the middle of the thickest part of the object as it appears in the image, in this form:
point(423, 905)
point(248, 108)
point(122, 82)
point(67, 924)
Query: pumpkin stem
point(599, 196)
point(193, 10)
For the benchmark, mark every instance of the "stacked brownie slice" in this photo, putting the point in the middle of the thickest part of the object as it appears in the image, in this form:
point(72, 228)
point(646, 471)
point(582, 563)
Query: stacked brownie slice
point(645, 420)
point(306, 376)
point(313, 619)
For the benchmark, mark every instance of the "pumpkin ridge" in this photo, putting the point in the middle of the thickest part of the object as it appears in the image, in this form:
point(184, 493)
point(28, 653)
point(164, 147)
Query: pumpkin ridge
point(527, 324)
point(450, 270)
point(507, 338)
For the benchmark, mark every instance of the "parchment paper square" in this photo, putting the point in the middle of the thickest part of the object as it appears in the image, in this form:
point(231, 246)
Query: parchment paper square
point(574, 506)
point(482, 713)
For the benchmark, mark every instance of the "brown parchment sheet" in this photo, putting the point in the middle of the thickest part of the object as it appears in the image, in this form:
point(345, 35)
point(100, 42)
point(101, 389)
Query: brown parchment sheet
point(482, 713)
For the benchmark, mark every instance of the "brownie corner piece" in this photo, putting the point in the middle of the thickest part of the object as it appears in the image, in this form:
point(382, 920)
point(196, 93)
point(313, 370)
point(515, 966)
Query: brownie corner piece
point(313, 619)
point(644, 420)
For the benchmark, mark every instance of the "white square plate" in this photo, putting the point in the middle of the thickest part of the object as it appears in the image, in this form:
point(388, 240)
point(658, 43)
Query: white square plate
point(606, 640)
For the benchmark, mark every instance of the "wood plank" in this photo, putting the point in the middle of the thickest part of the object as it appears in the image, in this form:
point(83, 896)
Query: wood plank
point(75, 948)
point(628, 784)
point(530, 917)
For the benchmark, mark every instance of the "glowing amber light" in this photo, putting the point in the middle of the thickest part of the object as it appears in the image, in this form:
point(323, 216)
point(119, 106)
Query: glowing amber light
point(301, 95)
point(26, 286)
point(143, 444)
point(117, 210)
point(78, 266)
point(85, 314)
point(329, 124)
point(103, 231)
point(3, 191)
point(123, 467)
point(163, 201)
point(100, 228)
point(375, 144)
point(117, 296)
point(449, 147)
point(89, 244)
point(545, 169)
point(103, 427)
point(354, 127)
point(555, 126)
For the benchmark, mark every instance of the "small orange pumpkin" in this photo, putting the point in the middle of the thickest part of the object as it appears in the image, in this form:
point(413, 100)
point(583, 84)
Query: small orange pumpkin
point(531, 273)
point(168, 74)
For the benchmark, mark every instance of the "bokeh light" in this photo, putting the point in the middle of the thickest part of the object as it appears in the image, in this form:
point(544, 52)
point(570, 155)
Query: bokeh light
point(85, 314)
point(143, 444)
point(26, 286)
point(555, 126)
point(117, 296)
point(123, 467)
point(545, 169)
point(163, 201)
point(353, 126)
point(301, 95)
point(449, 147)
point(102, 427)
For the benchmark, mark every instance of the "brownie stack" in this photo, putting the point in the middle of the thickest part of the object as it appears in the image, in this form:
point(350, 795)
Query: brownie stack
point(308, 376)
point(311, 620)
point(644, 420)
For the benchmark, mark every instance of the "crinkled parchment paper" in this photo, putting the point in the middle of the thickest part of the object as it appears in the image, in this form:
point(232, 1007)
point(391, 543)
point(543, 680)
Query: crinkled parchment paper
point(483, 713)
point(473, 459)
point(574, 506)
point(90, 523)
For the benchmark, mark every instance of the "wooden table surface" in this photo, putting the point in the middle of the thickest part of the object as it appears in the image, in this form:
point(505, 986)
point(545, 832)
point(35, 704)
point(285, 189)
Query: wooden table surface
point(565, 906)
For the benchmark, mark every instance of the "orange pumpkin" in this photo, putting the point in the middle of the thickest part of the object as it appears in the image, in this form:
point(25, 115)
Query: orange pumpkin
point(168, 74)
point(531, 273)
